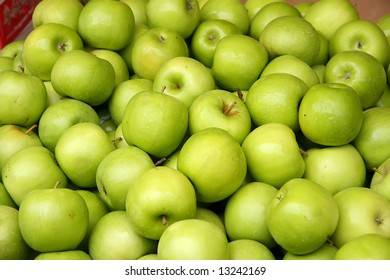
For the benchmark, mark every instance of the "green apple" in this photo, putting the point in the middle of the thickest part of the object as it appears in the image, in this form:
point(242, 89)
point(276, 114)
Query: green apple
point(45, 44)
point(22, 98)
point(302, 215)
point(153, 47)
point(6, 63)
point(139, 10)
point(19, 65)
point(359, 70)
point(62, 115)
point(384, 100)
point(291, 35)
point(356, 220)
point(171, 160)
point(254, 6)
point(323, 53)
point(384, 24)
point(29, 169)
point(206, 214)
point(361, 35)
point(12, 49)
point(380, 179)
point(117, 62)
point(326, 252)
point(118, 171)
point(330, 114)
point(186, 15)
point(327, 16)
point(119, 140)
point(220, 108)
point(114, 238)
point(273, 154)
point(335, 168)
point(320, 70)
point(269, 12)
point(79, 151)
point(214, 162)
point(276, 98)
point(70, 78)
point(206, 37)
point(149, 257)
point(366, 247)
point(193, 239)
point(5, 198)
point(160, 196)
point(303, 7)
point(52, 95)
point(238, 61)
point(231, 10)
point(106, 24)
point(248, 249)
point(12, 244)
point(53, 219)
point(290, 64)
point(77, 255)
point(123, 93)
point(14, 138)
point(155, 122)
point(57, 11)
point(245, 213)
point(183, 78)
point(373, 138)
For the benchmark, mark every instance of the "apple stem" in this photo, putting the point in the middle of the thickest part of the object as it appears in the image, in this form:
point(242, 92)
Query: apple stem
point(376, 170)
point(330, 242)
point(303, 152)
point(160, 161)
point(240, 94)
point(163, 88)
point(164, 220)
point(57, 184)
point(228, 109)
point(28, 131)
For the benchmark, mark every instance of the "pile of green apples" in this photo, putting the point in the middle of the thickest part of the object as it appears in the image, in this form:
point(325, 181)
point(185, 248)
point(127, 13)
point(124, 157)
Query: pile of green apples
point(186, 129)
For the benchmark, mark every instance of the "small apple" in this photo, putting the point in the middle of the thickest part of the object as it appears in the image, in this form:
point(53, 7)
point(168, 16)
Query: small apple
point(254, 6)
point(303, 7)
point(160, 197)
point(325, 252)
point(149, 257)
point(139, 10)
point(119, 140)
point(193, 239)
point(380, 179)
point(64, 255)
point(248, 249)
point(5, 198)
point(206, 214)
point(384, 100)
point(384, 24)
point(273, 155)
point(52, 95)
point(12, 49)
point(301, 216)
point(6, 63)
point(323, 53)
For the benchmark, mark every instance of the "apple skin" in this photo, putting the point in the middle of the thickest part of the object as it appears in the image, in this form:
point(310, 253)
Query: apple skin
point(214, 162)
point(12, 244)
point(53, 219)
point(114, 238)
point(139, 10)
point(6, 63)
point(185, 12)
point(254, 6)
point(45, 44)
point(22, 98)
point(193, 239)
point(330, 114)
point(245, 213)
point(355, 220)
point(220, 108)
point(206, 214)
point(12, 49)
point(106, 24)
point(325, 252)
point(5, 198)
point(161, 196)
point(64, 255)
point(273, 155)
point(365, 247)
point(384, 24)
point(380, 179)
point(301, 216)
point(247, 249)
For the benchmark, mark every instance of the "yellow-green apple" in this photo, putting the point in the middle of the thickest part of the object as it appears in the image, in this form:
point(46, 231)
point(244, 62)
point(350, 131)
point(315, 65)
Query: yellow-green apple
point(77, 255)
point(70, 78)
point(52, 95)
point(327, 16)
point(303, 7)
point(206, 37)
point(153, 47)
point(119, 140)
point(335, 168)
point(138, 8)
point(18, 64)
point(186, 15)
point(323, 54)
point(160, 197)
point(203, 213)
point(254, 6)
point(220, 108)
point(12, 49)
point(246, 211)
point(361, 35)
point(268, 13)
point(57, 11)
point(171, 160)
point(22, 98)
point(355, 220)
point(12, 244)
point(6, 63)
point(183, 78)
point(325, 252)
point(248, 249)
point(291, 35)
point(320, 70)
point(5, 198)
point(106, 24)
point(238, 61)
point(302, 215)
point(79, 151)
point(149, 257)
point(45, 44)
point(384, 24)
point(384, 100)
point(29, 169)
point(330, 114)
point(276, 98)
point(273, 155)
point(231, 10)
point(380, 179)
point(62, 115)
point(214, 162)
point(359, 70)
point(114, 238)
point(193, 239)
point(374, 136)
